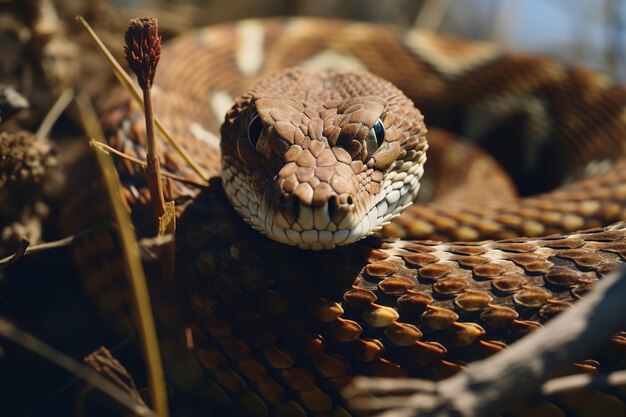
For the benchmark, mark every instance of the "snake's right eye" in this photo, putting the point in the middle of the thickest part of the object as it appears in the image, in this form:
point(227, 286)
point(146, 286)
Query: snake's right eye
point(375, 138)
point(255, 129)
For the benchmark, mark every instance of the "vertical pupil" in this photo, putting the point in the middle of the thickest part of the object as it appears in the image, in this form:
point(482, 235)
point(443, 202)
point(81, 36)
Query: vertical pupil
point(379, 130)
point(254, 130)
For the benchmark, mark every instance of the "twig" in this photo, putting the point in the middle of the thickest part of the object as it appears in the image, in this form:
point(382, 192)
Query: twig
point(143, 52)
point(59, 106)
point(25, 249)
point(88, 117)
point(131, 261)
point(133, 266)
point(487, 386)
point(106, 148)
point(17, 336)
point(130, 86)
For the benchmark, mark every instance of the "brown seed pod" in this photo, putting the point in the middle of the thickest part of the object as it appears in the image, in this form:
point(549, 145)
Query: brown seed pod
point(142, 46)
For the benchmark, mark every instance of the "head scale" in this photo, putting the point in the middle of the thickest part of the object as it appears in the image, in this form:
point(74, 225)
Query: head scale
point(318, 160)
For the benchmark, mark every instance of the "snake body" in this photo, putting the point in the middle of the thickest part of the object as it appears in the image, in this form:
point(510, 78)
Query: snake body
point(280, 330)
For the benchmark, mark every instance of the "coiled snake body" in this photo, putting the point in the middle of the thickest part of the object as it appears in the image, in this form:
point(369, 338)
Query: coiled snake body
point(280, 329)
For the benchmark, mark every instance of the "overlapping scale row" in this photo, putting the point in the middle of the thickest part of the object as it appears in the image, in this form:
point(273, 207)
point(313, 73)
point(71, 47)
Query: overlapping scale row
point(285, 337)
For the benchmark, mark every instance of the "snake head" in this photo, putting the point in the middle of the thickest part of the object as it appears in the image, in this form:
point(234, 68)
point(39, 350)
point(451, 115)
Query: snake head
point(319, 160)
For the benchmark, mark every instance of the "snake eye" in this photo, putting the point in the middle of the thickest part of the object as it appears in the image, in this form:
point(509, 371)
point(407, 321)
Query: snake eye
point(375, 137)
point(255, 128)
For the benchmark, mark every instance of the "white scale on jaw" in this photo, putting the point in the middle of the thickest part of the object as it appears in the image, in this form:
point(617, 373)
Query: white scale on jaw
point(313, 228)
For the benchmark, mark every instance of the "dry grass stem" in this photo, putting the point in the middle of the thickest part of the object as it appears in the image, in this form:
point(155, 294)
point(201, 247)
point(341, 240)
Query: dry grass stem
point(26, 249)
point(128, 240)
point(103, 362)
point(131, 87)
point(108, 149)
point(27, 341)
point(142, 46)
point(135, 272)
point(57, 109)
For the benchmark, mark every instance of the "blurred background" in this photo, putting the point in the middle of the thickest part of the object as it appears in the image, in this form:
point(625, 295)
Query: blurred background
point(586, 32)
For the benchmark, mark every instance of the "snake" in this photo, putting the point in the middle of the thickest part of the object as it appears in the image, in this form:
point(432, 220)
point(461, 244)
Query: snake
point(307, 262)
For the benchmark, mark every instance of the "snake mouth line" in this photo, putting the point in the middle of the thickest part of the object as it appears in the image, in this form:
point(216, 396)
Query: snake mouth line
point(313, 227)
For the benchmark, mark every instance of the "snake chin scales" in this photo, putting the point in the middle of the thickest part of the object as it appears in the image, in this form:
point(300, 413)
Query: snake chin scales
point(319, 160)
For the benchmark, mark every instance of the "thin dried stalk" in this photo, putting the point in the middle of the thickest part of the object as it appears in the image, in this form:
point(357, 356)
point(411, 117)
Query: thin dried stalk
point(132, 263)
point(108, 149)
point(143, 51)
point(61, 103)
point(26, 249)
point(19, 337)
point(130, 86)
point(103, 362)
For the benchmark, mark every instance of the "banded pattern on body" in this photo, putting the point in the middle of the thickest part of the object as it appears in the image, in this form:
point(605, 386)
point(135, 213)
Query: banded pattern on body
point(280, 330)
point(545, 122)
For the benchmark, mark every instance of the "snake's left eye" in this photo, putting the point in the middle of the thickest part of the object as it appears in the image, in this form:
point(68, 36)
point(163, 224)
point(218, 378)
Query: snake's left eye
point(255, 128)
point(375, 137)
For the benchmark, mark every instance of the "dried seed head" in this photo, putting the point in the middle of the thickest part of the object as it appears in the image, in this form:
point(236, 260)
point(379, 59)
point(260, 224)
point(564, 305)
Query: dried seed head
point(143, 49)
point(103, 362)
point(23, 158)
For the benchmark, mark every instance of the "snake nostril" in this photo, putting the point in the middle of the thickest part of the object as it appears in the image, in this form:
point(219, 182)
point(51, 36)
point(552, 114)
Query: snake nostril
point(346, 199)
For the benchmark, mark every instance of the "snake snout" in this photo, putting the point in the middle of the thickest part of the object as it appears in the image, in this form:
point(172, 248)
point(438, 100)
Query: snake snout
point(328, 211)
point(314, 220)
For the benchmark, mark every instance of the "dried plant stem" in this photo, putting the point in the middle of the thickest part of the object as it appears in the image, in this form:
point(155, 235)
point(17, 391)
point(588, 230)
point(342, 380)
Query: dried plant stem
point(26, 249)
point(103, 362)
point(106, 148)
point(142, 46)
point(153, 166)
point(131, 87)
point(132, 261)
point(128, 240)
point(59, 106)
point(17, 336)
